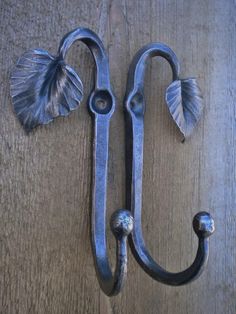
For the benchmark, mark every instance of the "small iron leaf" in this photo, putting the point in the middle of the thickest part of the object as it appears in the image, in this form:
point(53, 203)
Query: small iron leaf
point(185, 103)
point(43, 87)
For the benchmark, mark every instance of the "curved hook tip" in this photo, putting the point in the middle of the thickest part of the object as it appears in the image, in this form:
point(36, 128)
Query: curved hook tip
point(121, 223)
point(203, 225)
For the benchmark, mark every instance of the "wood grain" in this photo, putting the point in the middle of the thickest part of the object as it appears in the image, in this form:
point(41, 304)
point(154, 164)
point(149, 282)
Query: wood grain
point(46, 262)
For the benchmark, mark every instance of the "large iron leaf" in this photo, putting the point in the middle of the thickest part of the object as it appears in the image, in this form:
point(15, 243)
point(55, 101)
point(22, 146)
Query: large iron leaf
point(184, 100)
point(43, 87)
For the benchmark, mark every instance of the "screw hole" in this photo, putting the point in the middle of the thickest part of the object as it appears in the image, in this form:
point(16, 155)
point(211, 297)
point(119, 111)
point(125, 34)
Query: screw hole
point(101, 102)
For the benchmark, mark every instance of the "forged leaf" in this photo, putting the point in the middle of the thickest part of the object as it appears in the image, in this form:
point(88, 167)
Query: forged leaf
point(43, 87)
point(184, 100)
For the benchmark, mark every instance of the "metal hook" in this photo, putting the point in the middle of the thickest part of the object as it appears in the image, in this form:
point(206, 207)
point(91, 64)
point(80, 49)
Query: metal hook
point(185, 105)
point(44, 87)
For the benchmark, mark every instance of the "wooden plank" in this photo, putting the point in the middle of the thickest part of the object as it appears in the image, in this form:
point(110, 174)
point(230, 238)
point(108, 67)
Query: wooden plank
point(46, 262)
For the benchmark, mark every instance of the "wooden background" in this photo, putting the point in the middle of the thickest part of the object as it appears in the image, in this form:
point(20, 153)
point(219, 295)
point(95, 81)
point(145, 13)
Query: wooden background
point(46, 263)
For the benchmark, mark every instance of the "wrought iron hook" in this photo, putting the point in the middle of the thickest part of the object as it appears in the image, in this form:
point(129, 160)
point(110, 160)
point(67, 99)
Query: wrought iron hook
point(44, 87)
point(184, 102)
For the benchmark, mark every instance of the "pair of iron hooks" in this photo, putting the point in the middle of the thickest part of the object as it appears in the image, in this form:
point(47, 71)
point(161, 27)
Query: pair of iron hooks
point(44, 87)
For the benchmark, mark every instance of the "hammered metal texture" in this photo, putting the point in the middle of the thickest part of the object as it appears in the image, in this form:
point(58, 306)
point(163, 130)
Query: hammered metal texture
point(43, 87)
point(185, 103)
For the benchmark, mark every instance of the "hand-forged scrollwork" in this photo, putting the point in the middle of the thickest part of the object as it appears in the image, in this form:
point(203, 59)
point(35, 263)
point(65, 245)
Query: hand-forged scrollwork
point(184, 101)
point(44, 87)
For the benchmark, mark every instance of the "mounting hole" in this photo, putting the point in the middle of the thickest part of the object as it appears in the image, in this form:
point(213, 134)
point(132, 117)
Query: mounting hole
point(102, 102)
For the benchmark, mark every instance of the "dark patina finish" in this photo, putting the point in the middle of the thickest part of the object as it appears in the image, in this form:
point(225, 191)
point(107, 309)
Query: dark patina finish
point(184, 101)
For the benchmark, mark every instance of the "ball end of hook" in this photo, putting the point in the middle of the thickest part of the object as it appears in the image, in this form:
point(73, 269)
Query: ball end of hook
point(203, 224)
point(121, 223)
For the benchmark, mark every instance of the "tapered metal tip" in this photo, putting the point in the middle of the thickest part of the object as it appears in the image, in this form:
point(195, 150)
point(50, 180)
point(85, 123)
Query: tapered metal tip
point(203, 224)
point(122, 223)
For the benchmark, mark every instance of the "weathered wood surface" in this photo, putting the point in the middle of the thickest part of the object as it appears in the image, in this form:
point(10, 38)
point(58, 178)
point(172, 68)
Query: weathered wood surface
point(46, 262)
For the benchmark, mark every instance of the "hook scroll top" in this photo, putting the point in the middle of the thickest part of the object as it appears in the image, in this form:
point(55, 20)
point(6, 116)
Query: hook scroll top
point(183, 96)
point(44, 87)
